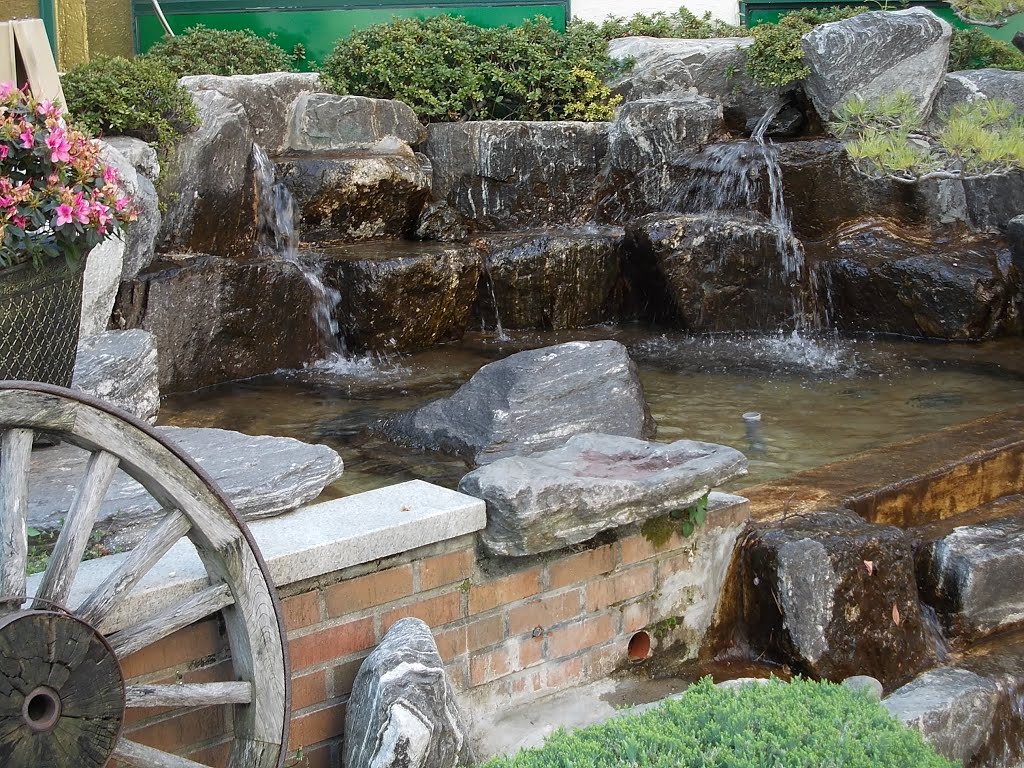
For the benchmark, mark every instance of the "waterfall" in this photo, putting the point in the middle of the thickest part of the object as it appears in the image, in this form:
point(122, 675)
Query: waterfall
point(278, 214)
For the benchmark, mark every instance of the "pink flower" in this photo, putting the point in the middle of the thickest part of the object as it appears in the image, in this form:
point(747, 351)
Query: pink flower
point(58, 145)
point(4, 150)
point(6, 89)
point(27, 139)
point(81, 209)
point(110, 175)
point(65, 215)
point(19, 221)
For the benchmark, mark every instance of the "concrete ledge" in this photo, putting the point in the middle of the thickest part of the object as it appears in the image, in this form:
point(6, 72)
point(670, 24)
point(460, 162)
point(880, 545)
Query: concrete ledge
point(309, 542)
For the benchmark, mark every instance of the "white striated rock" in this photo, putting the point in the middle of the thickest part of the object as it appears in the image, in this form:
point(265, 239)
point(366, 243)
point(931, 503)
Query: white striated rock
point(120, 367)
point(326, 122)
point(99, 285)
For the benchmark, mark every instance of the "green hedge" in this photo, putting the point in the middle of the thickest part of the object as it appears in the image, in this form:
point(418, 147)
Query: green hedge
point(802, 724)
point(204, 51)
point(973, 49)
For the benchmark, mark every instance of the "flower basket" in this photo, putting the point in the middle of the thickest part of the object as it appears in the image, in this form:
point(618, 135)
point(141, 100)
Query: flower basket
point(39, 318)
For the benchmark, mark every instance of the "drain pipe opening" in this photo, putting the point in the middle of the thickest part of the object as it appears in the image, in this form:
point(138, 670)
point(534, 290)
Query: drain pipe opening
point(639, 648)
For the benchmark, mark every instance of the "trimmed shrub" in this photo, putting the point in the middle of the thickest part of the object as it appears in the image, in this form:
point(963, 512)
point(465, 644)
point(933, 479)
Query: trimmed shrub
point(802, 724)
point(682, 24)
point(204, 51)
point(139, 97)
point(973, 49)
point(448, 69)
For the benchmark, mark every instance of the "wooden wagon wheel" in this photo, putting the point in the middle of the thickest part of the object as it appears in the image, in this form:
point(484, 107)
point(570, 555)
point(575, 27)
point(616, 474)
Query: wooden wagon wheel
point(62, 696)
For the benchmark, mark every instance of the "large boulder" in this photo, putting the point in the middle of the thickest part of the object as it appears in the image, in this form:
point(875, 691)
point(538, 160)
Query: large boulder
point(120, 367)
point(512, 175)
point(261, 476)
point(100, 280)
point(875, 54)
point(976, 85)
point(879, 281)
point(552, 279)
point(716, 68)
point(834, 596)
point(269, 100)
point(553, 499)
point(352, 197)
point(403, 708)
point(972, 577)
point(208, 186)
point(326, 122)
point(648, 144)
point(401, 296)
point(140, 235)
point(141, 155)
point(715, 273)
point(532, 401)
point(215, 319)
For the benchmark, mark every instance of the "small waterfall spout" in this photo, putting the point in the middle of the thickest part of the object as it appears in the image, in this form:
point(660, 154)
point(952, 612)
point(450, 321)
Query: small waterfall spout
point(278, 214)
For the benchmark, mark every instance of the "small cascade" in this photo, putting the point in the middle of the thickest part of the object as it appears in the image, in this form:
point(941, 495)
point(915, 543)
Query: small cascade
point(499, 331)
point(278, 217)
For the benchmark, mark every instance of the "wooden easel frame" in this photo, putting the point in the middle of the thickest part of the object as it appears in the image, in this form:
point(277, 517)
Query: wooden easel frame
point(26, 58)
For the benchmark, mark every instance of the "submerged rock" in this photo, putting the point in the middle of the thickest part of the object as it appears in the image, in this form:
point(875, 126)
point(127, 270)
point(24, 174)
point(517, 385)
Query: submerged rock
point(326, 122)
point(355, 197)
point(972, 577)
point(514, 175)
point(120, 367)
point(532, 401)
point(834, 596)
point(216, 320)
point(261, 476)
point(881, 281)
point(403, 707)
point(400, 295)
point(551, 279)
point(874, 55)
point(552, 499)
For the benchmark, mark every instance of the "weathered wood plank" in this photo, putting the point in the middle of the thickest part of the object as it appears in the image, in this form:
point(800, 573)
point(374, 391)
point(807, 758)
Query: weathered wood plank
point(108, 595)
point(188, 694)
point(41, 69)
point(37, 410)
point(167, 622)
point(15, 453)
point(74, 536)
point(131, 753)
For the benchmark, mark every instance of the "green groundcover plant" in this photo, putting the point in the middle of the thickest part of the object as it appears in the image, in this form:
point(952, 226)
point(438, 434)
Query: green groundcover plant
point(204, 51)
point(973, 49)
point(802, 724)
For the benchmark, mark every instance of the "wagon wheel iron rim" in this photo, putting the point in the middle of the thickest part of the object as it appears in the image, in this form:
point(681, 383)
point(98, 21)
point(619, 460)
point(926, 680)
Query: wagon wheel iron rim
point(240, 591)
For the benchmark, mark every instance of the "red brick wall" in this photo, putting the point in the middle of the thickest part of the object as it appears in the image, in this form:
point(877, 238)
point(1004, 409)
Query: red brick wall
point(507, 630)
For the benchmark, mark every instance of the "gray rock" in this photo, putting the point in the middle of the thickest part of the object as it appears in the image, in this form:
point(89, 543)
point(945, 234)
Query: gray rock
point(512, 175)
point(99, 285)
point(398, 295)
point(140, 235)
point(993, 199)
point(875, 54)
point(269, 100)
point(439, 221)
point(833, 596)
point(952, 708)
point(552, 499)
point(352, 197)
point(208, 187)
point(216, 319)
point(871, 687)
point(786, 125)
point(716, 68)
point(1015, 232)
point(262, 476)
point(978, 85)
point(972, 577)
point(403, 708)
point(1018, 41)
point(326, 122)
point(137, 152)
point(648, 144)
point(532, 401)
point(120, 367)
point(551, 279)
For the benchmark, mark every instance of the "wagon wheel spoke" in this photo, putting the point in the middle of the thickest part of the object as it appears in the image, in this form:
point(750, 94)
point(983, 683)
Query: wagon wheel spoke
point(15, 454)
point(167, 622)
point(137, 755)
point(188, 694)
point(74, 536)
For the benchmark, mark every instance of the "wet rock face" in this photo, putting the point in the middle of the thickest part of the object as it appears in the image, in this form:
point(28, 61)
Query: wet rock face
point(979, 85)
point(510, 175)
point(532, 401)
point(216, 320)
point(552, 499)
point(326, 122)
point(880, 281)
point(648, 144)
point(268, 100)
point(719, 273)
point(349, 198)
point(402, 296)
point(120, 367)
point(972, 577)
point(875, 54)
point(834, 596)
point(1015, 233)
point(715, 68)
point(403, 712)
point(208, 186)
point(551, 280)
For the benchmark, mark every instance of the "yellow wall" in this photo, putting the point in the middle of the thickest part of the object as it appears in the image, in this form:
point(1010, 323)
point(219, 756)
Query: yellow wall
point(84, 27)
point(19, 9)
point(110, 27)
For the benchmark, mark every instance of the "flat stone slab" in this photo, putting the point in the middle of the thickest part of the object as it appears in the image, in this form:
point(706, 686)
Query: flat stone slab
point(261, 476)
point(595, 482)
point(120, 367)
point(973, 575)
